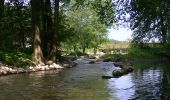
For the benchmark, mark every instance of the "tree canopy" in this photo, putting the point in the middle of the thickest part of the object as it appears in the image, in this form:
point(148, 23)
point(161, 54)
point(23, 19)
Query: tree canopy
point(149, 19)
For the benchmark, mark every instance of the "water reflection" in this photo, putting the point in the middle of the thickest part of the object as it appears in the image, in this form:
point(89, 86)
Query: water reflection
point(145, 83)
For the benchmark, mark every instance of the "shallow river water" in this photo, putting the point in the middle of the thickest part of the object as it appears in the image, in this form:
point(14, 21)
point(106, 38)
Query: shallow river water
point(149, 81)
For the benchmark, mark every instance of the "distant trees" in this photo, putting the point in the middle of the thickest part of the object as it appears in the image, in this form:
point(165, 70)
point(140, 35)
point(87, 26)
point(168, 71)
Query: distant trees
point(88, 31)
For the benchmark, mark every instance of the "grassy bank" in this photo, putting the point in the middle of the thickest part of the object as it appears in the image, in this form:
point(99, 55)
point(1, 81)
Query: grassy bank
point(136, 53)
point(15, 59)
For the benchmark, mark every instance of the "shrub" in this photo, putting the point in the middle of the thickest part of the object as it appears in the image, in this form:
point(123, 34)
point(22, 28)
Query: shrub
point(15, 59)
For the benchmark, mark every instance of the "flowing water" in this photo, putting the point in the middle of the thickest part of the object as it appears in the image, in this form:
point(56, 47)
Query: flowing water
point(149, 81)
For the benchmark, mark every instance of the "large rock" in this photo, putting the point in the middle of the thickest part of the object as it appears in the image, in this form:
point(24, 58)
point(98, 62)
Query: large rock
point(122, 71)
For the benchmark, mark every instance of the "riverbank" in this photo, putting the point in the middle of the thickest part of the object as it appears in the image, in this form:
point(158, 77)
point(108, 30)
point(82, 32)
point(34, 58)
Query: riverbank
point(15, 63)
point(7, 69)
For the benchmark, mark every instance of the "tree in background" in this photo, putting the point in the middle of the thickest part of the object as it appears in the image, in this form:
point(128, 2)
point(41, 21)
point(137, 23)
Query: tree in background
point(15, 25)
point(149, 19)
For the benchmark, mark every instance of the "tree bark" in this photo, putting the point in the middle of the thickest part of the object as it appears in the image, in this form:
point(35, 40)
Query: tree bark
point(56, 30)
point(51, 48)
point(163, 31)
point(36, 31)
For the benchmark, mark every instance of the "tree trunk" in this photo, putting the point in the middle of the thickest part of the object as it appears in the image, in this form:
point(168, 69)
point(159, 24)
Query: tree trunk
point(36, 31)
point(163, 30)
point(55, 28)
point(95, 50)
point(50, 30)
point(84, 44)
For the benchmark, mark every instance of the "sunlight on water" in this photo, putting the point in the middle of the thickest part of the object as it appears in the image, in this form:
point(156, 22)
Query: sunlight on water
point(122, 88)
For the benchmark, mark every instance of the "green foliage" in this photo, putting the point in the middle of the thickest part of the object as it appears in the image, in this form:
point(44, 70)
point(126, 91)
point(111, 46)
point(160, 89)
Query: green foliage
point(148, 18)
point(116, 57)
point(15, 26)
point(84, 30)
point(15, 59)
point(147, 52)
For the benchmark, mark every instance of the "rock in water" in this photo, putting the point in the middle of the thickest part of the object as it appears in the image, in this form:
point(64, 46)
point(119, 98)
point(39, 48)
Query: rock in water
point(117, 72)
point(122, 71)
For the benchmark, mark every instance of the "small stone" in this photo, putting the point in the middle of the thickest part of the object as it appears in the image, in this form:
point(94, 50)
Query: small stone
point(66, 65)
point(30, 67)
point(51, 66)
point(20, 70)
point(13, 71)
point(57, 66)
point(47, 68)
point(4, 72)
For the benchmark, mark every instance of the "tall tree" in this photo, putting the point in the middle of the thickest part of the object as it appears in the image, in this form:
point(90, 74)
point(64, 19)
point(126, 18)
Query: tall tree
point(36, 30)
point(56, 31)
point(148, 19)
point(49, 33)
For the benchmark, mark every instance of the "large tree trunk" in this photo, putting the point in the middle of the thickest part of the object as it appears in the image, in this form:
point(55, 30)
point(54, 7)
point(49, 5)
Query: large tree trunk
point(49, 43)
point(56, 30)
point(48, 32)
point(36, 31)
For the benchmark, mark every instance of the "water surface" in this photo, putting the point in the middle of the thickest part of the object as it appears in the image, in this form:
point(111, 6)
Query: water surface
point(149, 81)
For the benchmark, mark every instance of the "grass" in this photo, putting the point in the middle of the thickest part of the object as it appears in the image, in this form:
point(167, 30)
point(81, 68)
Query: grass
point(136, 53)
point(148, 53)
point(15, 59)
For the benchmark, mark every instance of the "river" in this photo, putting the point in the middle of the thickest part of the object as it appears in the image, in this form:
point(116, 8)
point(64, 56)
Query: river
point(149, 81)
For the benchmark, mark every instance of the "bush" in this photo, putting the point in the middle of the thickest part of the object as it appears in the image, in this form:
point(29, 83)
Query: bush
point(15, 59)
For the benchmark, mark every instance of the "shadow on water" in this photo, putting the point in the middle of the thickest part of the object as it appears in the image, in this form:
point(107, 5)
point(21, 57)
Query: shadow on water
point(150, 80)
